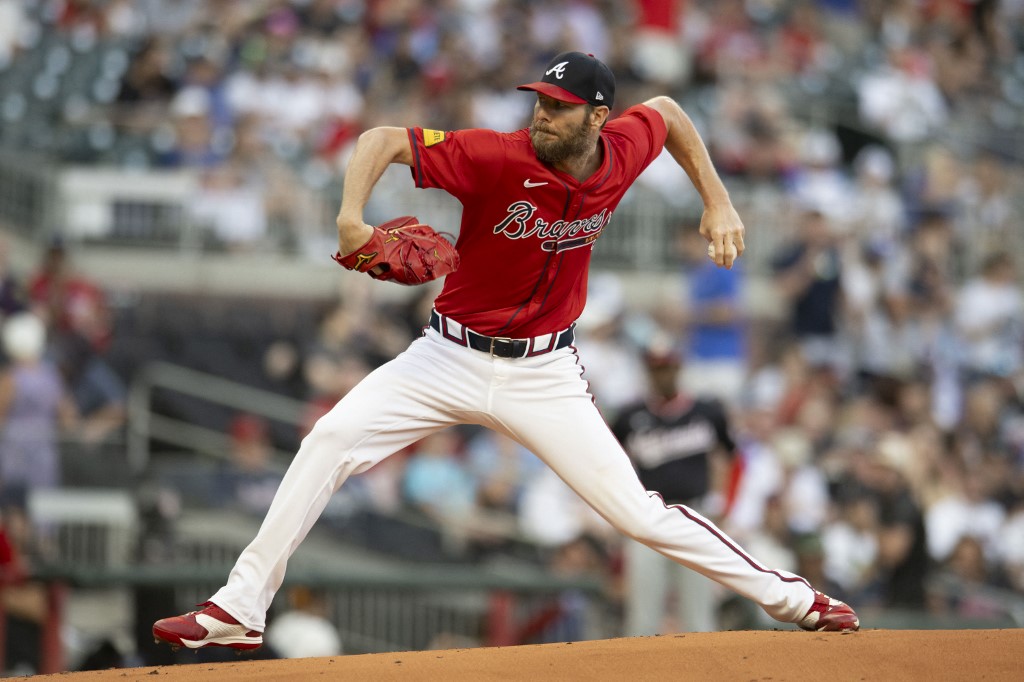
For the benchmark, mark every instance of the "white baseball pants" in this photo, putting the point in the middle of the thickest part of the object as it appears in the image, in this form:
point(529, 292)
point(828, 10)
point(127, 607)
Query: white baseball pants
point(540, 401)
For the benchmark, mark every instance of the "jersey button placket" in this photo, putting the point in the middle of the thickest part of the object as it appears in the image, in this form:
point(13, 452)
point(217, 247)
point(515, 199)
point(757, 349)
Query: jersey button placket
point(574, 205)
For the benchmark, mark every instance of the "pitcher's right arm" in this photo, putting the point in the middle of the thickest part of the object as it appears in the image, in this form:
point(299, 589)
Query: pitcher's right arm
point(375, 150)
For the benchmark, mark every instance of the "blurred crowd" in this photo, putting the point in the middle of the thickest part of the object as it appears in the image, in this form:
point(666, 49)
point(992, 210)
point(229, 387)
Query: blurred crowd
point(872, 367)
point(62, 411)
point(263, 99)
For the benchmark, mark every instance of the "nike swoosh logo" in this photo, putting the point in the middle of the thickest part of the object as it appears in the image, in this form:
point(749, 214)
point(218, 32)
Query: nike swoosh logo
point(527, 183)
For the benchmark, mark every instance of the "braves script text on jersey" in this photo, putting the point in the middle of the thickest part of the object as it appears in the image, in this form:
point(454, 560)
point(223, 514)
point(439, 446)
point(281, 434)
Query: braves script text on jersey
point(525, 245)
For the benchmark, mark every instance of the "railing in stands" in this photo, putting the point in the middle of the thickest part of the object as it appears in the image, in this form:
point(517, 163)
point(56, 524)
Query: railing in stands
point(144, 425)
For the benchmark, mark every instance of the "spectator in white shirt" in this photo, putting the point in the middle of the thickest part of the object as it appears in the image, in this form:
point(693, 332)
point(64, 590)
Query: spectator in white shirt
point(901, 99)
point(989, 317)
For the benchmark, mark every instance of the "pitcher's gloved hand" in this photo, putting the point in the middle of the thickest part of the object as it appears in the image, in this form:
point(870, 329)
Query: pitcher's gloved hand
point(405, 251)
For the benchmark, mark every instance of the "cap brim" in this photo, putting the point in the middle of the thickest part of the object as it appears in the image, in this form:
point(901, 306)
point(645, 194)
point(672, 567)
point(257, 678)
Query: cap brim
point(553, 91)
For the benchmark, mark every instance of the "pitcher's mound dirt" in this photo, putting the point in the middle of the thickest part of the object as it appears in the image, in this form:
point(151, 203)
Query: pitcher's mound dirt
point(888, 655)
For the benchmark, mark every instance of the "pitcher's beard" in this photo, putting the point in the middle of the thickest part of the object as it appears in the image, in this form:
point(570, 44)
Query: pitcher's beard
point(554, 150)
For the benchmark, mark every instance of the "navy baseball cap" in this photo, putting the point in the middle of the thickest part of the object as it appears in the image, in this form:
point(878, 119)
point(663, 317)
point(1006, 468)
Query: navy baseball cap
point(576, 78)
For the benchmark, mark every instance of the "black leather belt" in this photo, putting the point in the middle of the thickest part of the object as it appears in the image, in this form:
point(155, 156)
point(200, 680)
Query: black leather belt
point(501, 346)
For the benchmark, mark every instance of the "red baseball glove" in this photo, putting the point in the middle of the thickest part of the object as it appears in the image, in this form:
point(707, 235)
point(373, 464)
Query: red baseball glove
point(406, 251)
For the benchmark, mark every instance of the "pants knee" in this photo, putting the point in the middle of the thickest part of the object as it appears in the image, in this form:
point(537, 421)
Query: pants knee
point(634, 527)
point(638, 520)
point(322, 441)
point(319, 436)
point(345, 445)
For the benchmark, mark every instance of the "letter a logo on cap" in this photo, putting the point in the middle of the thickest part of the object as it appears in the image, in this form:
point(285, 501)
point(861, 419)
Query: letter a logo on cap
point(558, 69)
point(576, 78)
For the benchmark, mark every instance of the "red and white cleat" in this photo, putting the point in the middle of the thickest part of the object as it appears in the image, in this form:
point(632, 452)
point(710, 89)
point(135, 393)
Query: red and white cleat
point(829, 615)
point(211, 626)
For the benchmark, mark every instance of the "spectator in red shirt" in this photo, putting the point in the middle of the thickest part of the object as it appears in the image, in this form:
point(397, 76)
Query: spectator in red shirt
point(69, 301)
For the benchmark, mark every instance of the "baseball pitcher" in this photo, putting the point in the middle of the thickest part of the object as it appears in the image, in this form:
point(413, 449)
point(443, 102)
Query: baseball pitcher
point(498, 347)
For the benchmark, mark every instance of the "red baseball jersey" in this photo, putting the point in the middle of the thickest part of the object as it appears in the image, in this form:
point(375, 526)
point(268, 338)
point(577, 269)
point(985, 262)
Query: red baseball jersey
point(527, 228)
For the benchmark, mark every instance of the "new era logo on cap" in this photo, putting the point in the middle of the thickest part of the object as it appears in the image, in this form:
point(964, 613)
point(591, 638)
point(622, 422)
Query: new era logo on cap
point(576, 78)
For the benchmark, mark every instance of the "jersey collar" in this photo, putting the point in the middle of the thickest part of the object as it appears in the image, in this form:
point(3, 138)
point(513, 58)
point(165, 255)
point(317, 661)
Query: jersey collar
point(598, 176)
point(673, 407)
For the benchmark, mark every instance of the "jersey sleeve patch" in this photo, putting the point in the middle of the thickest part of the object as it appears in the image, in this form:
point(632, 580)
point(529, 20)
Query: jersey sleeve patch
point(432, 137)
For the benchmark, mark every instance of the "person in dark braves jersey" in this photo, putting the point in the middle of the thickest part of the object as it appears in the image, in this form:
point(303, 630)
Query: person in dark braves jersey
point(497, 350)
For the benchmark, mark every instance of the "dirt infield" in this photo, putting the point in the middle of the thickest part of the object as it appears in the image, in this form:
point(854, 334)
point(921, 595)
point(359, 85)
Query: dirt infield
point(889, 655)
